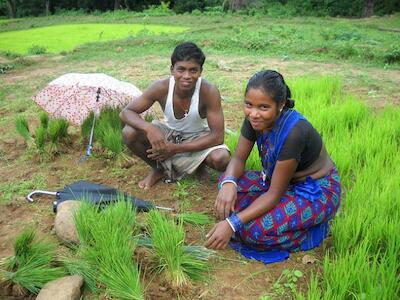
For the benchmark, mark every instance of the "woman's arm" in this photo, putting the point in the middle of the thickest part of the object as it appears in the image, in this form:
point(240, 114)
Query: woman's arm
point(226, 198)
point(281, 177)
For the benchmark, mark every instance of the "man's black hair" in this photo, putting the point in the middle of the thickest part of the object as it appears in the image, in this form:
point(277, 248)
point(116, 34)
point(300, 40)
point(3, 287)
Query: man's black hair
point(188, 51)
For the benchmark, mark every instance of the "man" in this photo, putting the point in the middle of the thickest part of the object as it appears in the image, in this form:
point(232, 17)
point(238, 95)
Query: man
point(193, 131)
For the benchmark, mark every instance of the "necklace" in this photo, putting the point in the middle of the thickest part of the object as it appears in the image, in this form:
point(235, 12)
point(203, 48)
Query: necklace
point(184, 108)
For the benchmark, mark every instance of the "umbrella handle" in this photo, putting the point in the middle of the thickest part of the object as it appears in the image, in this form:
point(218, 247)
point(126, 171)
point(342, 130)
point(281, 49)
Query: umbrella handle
point(29, 197)
point(164, 208)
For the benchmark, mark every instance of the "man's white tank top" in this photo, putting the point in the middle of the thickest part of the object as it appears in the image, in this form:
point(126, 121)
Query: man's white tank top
point(192, 122)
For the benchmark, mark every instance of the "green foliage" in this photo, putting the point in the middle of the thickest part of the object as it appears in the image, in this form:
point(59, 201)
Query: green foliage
point(36, 50)
point(5, 67)
point(159, 10)
point(31, 267)
point(182, 6)
point(40, 138)
point(194, 218)
point(57, 130)
point(392, 55)
point(106, 248)
point(10, 190)
point(177, 266)
point(21, 124)
point(44, 119)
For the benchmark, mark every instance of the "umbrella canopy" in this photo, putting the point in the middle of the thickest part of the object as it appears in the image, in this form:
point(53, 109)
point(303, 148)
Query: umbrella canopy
point(73, 96)
point(95, 193)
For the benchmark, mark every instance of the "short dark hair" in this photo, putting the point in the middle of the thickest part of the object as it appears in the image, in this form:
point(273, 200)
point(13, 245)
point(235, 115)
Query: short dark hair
point(273, 84)
point(188, 51)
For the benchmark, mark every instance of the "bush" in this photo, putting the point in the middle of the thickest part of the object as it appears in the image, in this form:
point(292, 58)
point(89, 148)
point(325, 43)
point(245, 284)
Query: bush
point(392, 55)
point(36, 50)
point(182, 6)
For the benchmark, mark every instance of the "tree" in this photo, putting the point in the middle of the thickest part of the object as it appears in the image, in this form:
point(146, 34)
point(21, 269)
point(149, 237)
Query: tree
point(368, 8)
point(117, 4)
point(47, 7)
point(12, 8)
point(234, 5)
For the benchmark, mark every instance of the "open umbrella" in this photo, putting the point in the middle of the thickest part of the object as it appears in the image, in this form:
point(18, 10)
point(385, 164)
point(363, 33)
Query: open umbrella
point(72, 96)
point(96, 193)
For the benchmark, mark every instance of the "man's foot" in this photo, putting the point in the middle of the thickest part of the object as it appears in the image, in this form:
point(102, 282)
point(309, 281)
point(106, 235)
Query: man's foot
point(151, 179)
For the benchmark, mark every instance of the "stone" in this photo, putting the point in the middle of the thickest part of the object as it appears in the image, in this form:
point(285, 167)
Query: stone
point(64, 224)
point(65, 288)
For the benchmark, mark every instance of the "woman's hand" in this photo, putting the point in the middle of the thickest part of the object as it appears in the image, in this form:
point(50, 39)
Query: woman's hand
point(226, 199)
point(219, 236)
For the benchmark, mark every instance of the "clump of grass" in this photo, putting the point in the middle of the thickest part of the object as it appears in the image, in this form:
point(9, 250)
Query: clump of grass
point(21, 124)
point(32, 265)
point(106, 248)
point(177, 266)
point(253, 162)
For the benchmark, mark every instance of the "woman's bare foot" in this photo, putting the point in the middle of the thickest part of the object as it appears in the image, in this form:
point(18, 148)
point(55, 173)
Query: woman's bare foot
point(151, 179)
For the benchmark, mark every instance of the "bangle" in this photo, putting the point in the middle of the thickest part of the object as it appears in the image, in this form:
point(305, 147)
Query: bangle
point(231, 179)
point(235, 222)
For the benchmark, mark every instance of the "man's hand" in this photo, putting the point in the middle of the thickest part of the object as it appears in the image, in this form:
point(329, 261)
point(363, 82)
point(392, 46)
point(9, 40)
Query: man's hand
point(156, 137)
point(163, 153)
point(225, 202)
point(219, 236)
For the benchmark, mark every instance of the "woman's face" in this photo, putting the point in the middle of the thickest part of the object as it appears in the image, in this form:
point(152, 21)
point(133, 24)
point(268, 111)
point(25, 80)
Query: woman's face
point(260, 109)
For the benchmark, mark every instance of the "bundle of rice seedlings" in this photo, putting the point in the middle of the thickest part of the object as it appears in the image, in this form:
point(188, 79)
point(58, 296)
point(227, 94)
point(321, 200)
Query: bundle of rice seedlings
point(176, 265)
point(106, 245)
point(57, 130)
point(194, 218)
point(31, 267)
point(21, 124)
point(40, 139)
point(44, 119)
point(253, 161)
point(86, 126)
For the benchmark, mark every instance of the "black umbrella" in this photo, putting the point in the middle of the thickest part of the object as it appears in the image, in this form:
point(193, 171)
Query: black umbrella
point(95, 193)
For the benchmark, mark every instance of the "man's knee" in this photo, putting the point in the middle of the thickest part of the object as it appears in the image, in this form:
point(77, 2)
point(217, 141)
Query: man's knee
point(218, 159)
point(129, 134)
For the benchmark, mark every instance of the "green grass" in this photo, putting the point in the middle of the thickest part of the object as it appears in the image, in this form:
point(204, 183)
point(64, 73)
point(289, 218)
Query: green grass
point(21, 187)
point(66, 37)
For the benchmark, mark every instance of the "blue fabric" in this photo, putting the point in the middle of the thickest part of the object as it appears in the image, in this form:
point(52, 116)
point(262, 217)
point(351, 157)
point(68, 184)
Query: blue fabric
point(271, 142)
point(308, 189)
point(314, 238)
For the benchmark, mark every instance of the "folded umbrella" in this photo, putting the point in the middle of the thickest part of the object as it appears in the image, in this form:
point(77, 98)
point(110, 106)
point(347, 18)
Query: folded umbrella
point(96, 193)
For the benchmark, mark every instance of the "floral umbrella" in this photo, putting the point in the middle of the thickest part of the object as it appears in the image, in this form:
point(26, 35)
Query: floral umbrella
point(73, 96)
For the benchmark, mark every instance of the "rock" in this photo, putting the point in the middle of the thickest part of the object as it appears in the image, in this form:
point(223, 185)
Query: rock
point(66, 288)
point(308, 259)
point(222, 66)
point(64, 224)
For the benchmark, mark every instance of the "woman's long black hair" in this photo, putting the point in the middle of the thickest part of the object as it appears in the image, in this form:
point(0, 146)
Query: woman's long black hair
point(273, 85)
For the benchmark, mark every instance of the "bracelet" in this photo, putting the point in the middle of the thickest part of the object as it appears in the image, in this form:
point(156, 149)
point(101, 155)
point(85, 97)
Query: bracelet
point(235, 222)
point(231, 179)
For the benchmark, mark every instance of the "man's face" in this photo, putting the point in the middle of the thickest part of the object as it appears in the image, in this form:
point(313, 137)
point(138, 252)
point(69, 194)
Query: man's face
point(186, 74)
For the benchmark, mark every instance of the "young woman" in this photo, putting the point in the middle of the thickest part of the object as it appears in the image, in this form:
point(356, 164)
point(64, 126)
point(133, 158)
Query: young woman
point(298, 188)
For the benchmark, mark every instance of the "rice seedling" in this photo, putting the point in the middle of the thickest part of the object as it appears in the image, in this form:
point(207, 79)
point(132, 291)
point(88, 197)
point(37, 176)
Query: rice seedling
point(194, 218)
point(44, 119)
point(21, 124)
point(31, 267)
point(177, 266)
point(106, 246)
point(40, 139)
point(57, 130)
